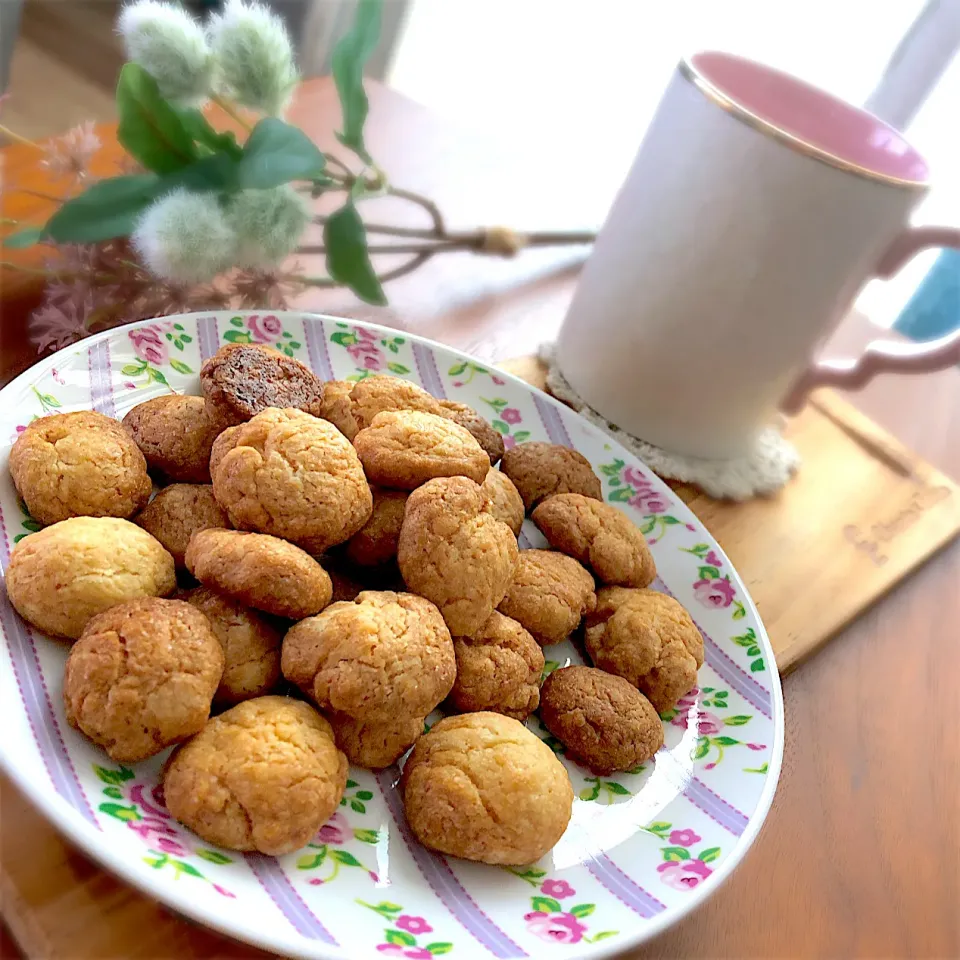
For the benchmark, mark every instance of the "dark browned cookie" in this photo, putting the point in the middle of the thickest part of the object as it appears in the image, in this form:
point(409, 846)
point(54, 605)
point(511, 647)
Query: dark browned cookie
point(243, 379)
point(602, 720)
point(470, 420)
point(539, 470)
point(179, 511)
point(376, 542)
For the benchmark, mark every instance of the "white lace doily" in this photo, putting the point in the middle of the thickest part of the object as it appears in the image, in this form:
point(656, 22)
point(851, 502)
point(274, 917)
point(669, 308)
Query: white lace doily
point(764, 470)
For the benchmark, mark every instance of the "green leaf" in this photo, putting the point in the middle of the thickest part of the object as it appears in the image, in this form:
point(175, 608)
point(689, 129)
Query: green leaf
point(739, 720)
point(349, 57)
point(31, 525)
point(668, 520)
point(710, 854)
point(310, 861)
point(121, 813)
point(186, 338)
point(700, 549)
point(501, 427)
point(344, 340)
point(238, 322)
point(364, 795)
point(637, 770)
point(546, 904)
point(726, 741)
point(708, 573)
point(108, 209)
point(739, 613)
point(743, 641)
point(521, 436)
point(616, 788)
point(721, 694)
point(648, 526)
point(675, 854)
point(620, 495)
point(589, 794)
point(603, 935)
point(612, 469)
point(115, 792)
point(275, 153)
point(150, 130)
point(238, 336)
point(703, 748)
point(457, 369)
point(366, 836)
point(112, 776)
point(347, 859)
point(400, 937)
point(179, 365)
point(659, 826)
point(213, 856)
point(761, 769)
point(583, 909)
point(438, 948)
point(22, 238)
point(357, 807)
point(221, 171)
point(200, 130)
point(348, 262)
point(756, 666)
point(398, 368)
point(186, 868)
point(753, 651)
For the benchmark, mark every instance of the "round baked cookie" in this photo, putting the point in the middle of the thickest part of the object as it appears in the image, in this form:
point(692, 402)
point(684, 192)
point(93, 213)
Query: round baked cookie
point(179, 511)
point(337, 407)
point(376, 542)
point(175, 434)
point(243, 379)
point(498, 669)
point(483, 433)
point(540, 470)
point(603, 721)
point(404, 449)
point(455, 554)
point(549, 594)
point(648, 639)
point(483, 787)
point(386, 656)
point(251, 646)
point(375, 744)
point(63, 575)
point(383, 394)
point(265, 776)
point(502, 500)
point(260, 571)
point(221, 446)
point(79, 464)
point(599, 536)
point(142, 676)
point(295, 476)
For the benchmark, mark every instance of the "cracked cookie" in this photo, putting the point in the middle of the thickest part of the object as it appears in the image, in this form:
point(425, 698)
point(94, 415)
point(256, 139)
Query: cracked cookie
point(648, 639)
point(376, 542)
point(375, 744)
point(292, 475)
point(502, 500)
point(383, 394)
point(599, 536)
point(406, 448)
point(142, 676)
point(337, 407)
point(539, 470)
point(60, 577)
point(483, 787)
point(260, 571)
point(78, 465)
point(603, 720)
point(455, 554)
point(265, 776)
point(175, 434)
point(471, 420)
point(498, 670)
point(243, 379)
point(179, 511)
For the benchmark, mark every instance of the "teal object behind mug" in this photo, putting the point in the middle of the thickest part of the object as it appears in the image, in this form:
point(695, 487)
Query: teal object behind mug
point(934, 310)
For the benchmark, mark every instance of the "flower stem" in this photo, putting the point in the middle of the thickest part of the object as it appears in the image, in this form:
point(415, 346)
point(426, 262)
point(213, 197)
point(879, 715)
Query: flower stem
point(6, 131)
point(231, 111)
point(16, 266)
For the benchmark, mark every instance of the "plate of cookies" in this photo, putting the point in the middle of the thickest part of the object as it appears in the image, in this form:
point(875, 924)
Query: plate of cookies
point(348, 645)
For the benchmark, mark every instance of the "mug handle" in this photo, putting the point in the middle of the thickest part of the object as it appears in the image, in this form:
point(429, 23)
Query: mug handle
point(886, 356)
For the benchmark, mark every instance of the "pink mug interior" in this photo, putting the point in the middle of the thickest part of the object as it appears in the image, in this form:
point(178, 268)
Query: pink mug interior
point(816, 118)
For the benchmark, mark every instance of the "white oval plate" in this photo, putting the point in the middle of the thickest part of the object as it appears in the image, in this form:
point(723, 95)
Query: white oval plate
point(642, 849)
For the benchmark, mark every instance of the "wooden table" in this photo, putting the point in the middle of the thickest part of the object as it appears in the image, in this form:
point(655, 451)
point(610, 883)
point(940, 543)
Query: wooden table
point(859, 856)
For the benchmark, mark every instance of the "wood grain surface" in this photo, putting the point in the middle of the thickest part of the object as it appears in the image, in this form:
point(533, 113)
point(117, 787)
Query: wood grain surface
point(859, 854)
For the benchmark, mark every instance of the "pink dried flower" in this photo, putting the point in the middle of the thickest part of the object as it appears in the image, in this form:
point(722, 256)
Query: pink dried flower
point(59, 324)
point(266, 289)
point(70, 155)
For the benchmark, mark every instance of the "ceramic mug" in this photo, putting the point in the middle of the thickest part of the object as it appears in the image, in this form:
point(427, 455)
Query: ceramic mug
point(756, 209)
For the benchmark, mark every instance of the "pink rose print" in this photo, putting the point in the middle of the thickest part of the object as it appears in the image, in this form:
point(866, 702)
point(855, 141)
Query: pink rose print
point(646, 498)
point(148, 344)
point(265, 329)
point(684, 875)
point(713, 559)
point(414, 925)
point(499, 381)
point(684, 838)
point(391, 949)
point(756, 746)
point(708, 724)
point(714, 593)
point(635, 477)
point(555, 927)
point(557, 889)
point(510, 415)
point(509, 443)
point(334, 831)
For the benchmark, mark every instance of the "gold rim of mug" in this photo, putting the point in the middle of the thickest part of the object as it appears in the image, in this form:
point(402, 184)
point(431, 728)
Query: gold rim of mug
point(689, 72)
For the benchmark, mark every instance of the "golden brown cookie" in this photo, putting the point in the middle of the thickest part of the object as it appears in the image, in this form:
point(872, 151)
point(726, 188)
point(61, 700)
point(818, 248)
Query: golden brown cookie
point(62, 576)
point(484, 788)
point(498, 669)
point(175, 434)
point(599, 536)
point(455, 554)
point(260, 571)
point(250, 642)
point(402, 450)
point(648, 639)
point(382, 394)
point(179, 511)
point(502, 500)
point(483, 433)
point(265, 775)
point(376, 542)
point(294, 476)
point(540, 470)
point(221, 446)
point(78, 465)
point(142, 676)
point(243, 379)
point(337, 407)
point(386, 656)
point(549, 594)
point(603, 721)
point(375, 744)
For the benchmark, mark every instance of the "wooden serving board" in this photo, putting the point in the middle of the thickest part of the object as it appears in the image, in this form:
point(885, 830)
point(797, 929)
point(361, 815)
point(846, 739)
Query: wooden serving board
point(860, 514)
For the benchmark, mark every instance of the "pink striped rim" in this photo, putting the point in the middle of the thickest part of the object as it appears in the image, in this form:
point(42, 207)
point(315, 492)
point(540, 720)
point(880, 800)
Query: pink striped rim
point(552, 420)
point(701, 796)
point(622, 887)
point(207, 337)
point(315, 337)
point(442, 881)
point(426, 361)
point(282, 892)
point(101, 381)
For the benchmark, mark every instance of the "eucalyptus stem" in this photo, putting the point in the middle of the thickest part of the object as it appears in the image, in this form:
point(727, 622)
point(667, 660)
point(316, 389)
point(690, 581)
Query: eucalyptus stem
point(7, 132)
point(231, 111)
